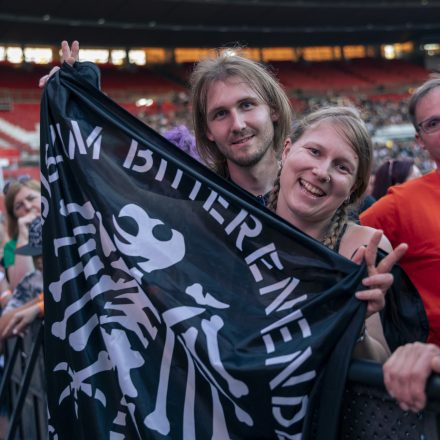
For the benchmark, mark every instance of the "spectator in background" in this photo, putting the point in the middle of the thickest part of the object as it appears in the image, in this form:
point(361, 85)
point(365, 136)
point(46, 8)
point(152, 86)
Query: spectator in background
point(23, 205)
point(17, 320)
point(4, 286)
point(410, 212)
point(5, 294)
point(392, 172)
point(25, 303)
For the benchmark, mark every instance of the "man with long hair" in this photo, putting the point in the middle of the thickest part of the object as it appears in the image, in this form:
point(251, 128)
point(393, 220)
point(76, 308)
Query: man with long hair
point(241, 117)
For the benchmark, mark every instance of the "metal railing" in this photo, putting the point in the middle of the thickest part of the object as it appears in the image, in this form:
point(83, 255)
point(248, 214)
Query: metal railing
point(23, 387)
point(368, 412)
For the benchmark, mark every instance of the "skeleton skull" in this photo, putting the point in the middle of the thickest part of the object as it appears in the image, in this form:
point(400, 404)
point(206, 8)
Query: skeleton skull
point(158, 254)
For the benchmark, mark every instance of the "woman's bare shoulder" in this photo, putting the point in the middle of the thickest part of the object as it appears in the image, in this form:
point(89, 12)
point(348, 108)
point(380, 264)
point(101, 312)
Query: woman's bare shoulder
point(357, 236)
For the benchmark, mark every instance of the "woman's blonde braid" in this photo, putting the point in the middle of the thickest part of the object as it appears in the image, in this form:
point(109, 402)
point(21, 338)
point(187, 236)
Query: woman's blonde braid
point(273, 196)
point(337, 224)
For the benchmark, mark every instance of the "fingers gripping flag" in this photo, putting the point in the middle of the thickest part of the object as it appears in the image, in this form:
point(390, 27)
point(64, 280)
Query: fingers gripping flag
point(177, 306)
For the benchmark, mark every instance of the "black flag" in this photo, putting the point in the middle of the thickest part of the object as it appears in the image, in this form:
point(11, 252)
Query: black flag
point(176, 305)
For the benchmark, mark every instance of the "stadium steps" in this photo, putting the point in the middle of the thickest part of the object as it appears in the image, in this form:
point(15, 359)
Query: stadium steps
point(18, 136)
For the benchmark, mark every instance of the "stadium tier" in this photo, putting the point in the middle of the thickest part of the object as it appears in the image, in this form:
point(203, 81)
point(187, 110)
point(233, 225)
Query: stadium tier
point(357, 75)
point(317, 77)
point(23, 115)
point(141, 80)
point(15, 81)
point(158, 96)
point(19, 129)
point(340, 75)
point(384, 72)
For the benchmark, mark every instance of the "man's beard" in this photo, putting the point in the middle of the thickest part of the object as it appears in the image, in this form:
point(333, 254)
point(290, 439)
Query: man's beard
point(249, 161)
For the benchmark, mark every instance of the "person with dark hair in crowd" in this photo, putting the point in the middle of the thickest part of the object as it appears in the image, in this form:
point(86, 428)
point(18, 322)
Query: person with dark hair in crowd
point(23, 205)
point(393, 172)
point(325, 169)
point(26, 302)
point(410, 212)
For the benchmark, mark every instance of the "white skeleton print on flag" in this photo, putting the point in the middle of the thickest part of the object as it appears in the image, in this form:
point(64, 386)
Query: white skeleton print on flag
point(175, 307)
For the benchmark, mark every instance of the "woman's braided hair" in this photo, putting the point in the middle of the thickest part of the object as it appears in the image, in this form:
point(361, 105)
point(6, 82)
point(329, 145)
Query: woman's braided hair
point(273, 196)
point(349, 124)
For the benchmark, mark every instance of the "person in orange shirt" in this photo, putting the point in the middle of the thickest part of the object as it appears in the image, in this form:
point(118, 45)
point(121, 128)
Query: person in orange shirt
point(410, 212)
point(325, 170)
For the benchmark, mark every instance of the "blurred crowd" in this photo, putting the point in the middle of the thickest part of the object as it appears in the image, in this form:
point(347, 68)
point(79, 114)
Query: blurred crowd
point(377, 113)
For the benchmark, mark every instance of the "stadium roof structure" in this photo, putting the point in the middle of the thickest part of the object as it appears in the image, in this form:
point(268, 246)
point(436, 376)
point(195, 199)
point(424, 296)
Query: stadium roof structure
point(213, 23)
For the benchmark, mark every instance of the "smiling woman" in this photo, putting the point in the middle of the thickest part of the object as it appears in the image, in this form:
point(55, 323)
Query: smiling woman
point(319, 175)
point(325, 169)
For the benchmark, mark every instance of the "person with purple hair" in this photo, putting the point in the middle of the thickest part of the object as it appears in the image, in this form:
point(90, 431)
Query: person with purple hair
point(181, 137)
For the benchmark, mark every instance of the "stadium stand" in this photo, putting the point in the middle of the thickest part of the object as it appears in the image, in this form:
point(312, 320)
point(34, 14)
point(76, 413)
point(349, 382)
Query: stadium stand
point(364, 75)
point(23, 115)
point(322, 77)
point(378, 72)
point(379, 87)
point(157, 94)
